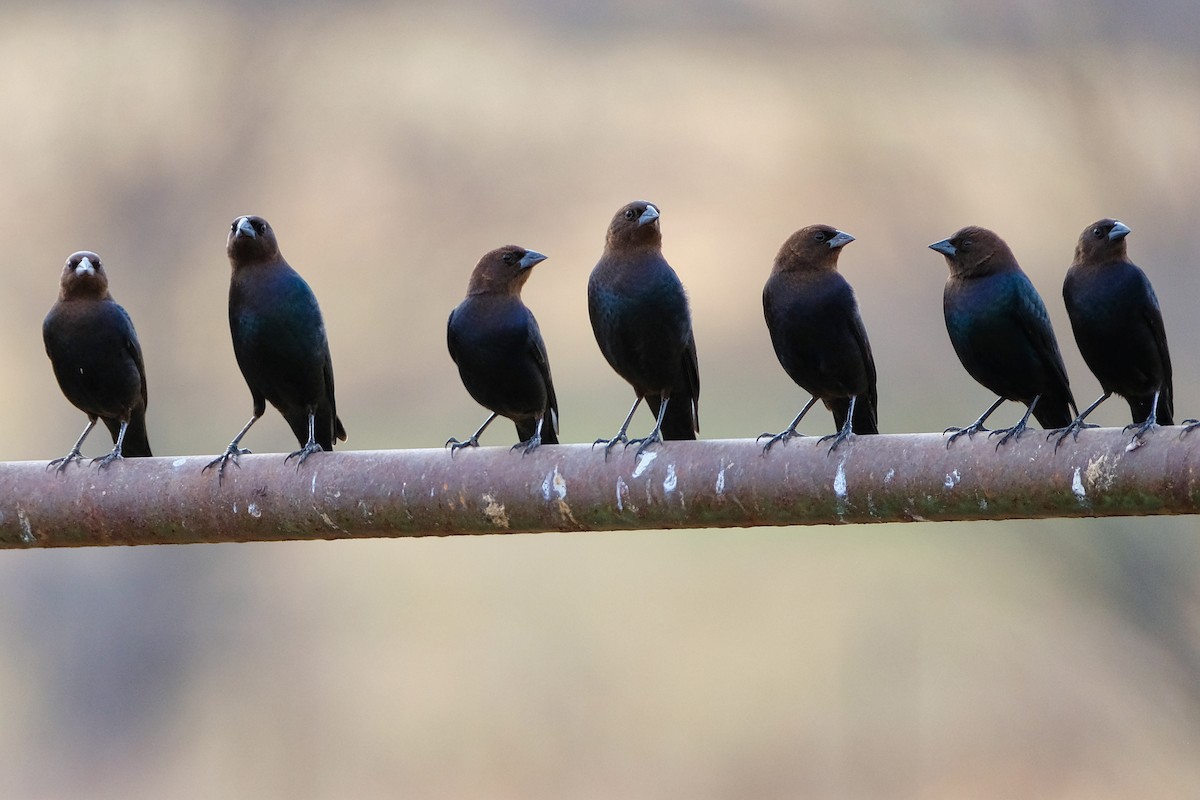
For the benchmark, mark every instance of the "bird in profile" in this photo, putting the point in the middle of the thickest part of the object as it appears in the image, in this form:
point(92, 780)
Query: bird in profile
point(97, 360)
point(818, 333)
point(1119, 329)
point(280, 343)
point(495, 341)
point(1001, 332)
point(640, 316)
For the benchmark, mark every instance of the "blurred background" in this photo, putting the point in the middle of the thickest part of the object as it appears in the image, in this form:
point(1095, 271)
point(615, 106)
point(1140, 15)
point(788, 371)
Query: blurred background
point(390, 146)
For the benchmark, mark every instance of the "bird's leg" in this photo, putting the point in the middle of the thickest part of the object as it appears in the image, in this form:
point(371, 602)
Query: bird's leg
point(1078, 423)
point(847, 428)
point(455, 445)
point(1140, 429)
point(656, 434)
point(115, 455)
point(1016, 430)
point(59, 464)
point(791, 429)
point(310, 446)
point(533, 442)
point(975, 427)
point(231, 453)
point(620, 438)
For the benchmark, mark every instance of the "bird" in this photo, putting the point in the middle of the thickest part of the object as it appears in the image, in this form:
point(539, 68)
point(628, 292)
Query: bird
point(497, 345)
point(280, 343)
point(97, 360)
point(1001, 332)
point(818, 333)
point(643, 325)
point(1119, 329)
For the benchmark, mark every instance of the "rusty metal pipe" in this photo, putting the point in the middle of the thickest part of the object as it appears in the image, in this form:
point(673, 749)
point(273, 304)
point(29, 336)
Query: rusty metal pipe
point(730, 483)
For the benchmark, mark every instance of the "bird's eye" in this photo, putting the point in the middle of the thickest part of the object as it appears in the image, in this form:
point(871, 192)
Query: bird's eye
point(1098, 233)
point(233, 226)
point(508, 258)
point(966, 245)
point(629, 213)
point(820, 237)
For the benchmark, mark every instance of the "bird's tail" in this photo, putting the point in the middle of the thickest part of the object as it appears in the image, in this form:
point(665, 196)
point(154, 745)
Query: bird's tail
point(137, 441)
point(682, 419)
point(1056, 409)
point(866, 419)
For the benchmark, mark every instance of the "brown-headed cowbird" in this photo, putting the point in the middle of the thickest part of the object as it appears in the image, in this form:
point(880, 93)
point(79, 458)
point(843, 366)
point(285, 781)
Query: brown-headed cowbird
point(642, 322)
point(818, 333)
point(495, 341)
point(1001, 332)
point(97, 360)
point(1119, 329)
point(279, 341)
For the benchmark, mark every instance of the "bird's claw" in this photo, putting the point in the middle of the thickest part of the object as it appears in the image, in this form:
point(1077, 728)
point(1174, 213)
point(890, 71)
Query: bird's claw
point(968, 431)
point(1008, 433)
point(776, 438)
point(645, 442)
point(303, 453)
point(231, 454)
point(1140, 429)
point(455, 445)
point(1189, 425)
point(528, 446)
point(1071, 430)
point(103, 461)
point(609, 444)
point(60, 464)
point(838, 438)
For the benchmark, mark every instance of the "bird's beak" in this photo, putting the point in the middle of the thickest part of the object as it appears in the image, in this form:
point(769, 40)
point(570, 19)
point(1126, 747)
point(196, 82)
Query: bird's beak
point(840, 238)
point(531, 258)
point(244, 228)
point(649, 215)
point(1119, 231)
point(944, 247)
point(84, 267)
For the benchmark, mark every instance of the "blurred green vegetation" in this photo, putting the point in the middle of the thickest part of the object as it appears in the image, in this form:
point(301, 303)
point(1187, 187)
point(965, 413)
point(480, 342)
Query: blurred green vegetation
point(390, 146)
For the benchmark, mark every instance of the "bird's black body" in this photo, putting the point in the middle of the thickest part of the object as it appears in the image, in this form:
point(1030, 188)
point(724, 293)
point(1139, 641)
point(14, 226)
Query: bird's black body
point(495, 341)
point(1001, 331)
point(642, 322)
point(279, 340)
point(1118, 325)
point(97, 359)
point(818, 333)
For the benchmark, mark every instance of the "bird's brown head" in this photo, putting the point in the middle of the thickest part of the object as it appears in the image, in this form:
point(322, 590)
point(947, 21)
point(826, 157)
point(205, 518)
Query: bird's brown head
point(83, 276)
point(975, 251)
point(1102, 242)
point(503, 270)
point(251, 241)
point(634, 226)
point(811, 249)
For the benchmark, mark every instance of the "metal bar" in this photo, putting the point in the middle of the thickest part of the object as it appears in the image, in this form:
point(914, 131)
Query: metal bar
point(730, 483)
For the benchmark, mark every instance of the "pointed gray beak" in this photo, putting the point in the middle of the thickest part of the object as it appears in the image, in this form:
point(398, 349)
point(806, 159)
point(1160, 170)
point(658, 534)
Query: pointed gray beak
point(649, 215)
point(531, 258)
point(84, 267)
point(840, 238)
point(244, 228)
point(1119, 231)
point(944, 247)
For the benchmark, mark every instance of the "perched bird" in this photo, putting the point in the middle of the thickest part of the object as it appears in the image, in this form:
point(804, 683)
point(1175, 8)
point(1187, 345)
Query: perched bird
point(501, 358)
point(97, 360)
point(643, 325)
point(1001, 332)
point(1119, 328)
point(279, 341)
point(818, 334)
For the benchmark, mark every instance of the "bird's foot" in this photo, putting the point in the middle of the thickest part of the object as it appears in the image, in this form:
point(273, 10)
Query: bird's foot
point(528, 446)
point(1008, 433)
point(1140, 429)
point(654, 438)
point(838, 438)
point(455, 445)
point(231, 454)
point(1189, 425)
point(303, 453)
point(103, 461)
point(775, 438)
point(60, 464)
point(609, 444)
point(969, 432)
point(1071, 430)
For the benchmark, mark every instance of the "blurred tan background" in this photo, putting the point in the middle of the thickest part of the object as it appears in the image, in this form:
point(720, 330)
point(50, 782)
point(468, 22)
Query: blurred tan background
point(390, 146)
